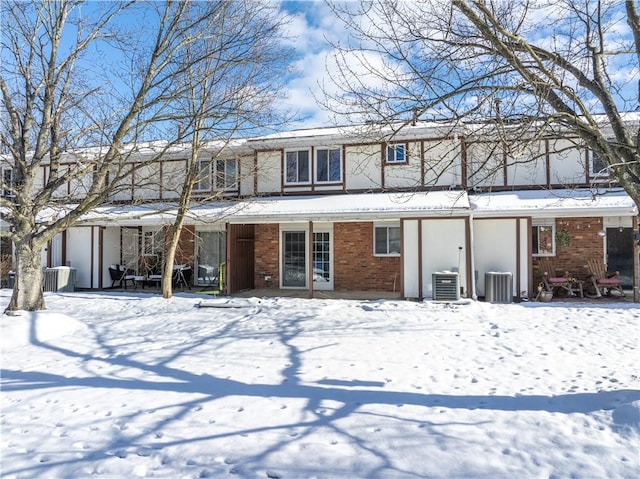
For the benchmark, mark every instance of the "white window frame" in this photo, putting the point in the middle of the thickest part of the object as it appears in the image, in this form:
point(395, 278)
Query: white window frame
point(328, 151)
point(203, 176)
point(544, 222)
point(226, 180)
point(386, 226)
point(287, 156)
point(392, 153)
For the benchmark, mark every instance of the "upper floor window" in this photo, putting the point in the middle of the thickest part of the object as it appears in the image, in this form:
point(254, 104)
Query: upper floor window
point(544, 234)
point(328, 165)
point(397, 153)
point(203, 176)
point(598, 165)
point(386, 240)
point(297, 167)
point(226, 174)
point(7, 181)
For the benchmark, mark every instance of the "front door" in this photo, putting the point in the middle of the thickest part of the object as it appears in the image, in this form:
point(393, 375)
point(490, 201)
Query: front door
point(620, 254)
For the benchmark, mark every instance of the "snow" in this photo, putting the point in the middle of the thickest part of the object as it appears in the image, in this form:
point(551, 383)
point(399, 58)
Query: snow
point(126, 385)
point(609, 201)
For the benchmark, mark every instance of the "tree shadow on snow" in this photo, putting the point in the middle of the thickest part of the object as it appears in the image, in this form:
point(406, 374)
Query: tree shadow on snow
point(346, 397)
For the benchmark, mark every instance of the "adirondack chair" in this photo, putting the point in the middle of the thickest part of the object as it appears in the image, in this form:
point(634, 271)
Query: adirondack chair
point(603, 282)
point(552, 282)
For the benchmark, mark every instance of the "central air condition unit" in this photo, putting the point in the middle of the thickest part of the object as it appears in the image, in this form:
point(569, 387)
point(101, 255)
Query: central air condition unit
point(445, 286)
point(498, 287)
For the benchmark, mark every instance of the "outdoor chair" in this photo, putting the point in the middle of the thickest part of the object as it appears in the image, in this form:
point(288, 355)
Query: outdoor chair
point(603, 282)
point(120, 275)
point(181, 276)
point(552, 282)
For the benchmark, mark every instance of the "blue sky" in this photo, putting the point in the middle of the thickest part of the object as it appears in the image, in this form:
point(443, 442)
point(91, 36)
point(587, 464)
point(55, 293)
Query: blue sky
point(312, 24)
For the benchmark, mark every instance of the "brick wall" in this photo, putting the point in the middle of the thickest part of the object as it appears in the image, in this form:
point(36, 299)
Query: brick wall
point(584, 244)
point(267, 256)
point(355, 267)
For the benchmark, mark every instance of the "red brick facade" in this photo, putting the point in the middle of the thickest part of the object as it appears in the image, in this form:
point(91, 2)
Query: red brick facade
point(267, 256)
point(584, 244)
point(355, 267)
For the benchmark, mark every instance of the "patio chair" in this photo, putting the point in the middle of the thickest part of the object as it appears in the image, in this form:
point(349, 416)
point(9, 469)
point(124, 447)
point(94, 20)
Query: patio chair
point(552, 282)
point(603, 282)
point(120, 275)
point(181, 276)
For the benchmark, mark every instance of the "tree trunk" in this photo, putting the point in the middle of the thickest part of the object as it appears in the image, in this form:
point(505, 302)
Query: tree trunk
point(27, 289)
point(171, 245)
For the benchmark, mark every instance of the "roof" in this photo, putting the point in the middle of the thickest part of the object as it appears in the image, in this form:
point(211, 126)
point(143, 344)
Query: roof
point(353, 207)
point(553, 203)
point(376, 206)
point(287, 209)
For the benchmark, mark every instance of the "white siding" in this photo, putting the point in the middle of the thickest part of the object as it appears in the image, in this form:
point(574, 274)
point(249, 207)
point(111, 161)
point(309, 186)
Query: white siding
point(79, 254)
point(527, 164)
point(485, 162)
point(410, 266)
point(567, 164)
point(525, 254)
point(363, 167)
point(495, 249)
point(172, 178)
point(246, 175)
point(441, 242)
point(442, 163)
point(110, 252)
point(147, 180)
point(269, 171)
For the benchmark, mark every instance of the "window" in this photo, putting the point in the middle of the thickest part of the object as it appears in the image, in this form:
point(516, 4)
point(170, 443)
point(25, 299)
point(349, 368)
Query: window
point(544, 243)
point(203, 176)
point(386, 240)
point(328, 165)
point(226, 174)
point(7, 181)
point(396, 153)
point(297, 167)
point(598, 165)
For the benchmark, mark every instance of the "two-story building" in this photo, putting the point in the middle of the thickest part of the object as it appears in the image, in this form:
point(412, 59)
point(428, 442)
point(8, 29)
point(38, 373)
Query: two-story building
point(367, 209)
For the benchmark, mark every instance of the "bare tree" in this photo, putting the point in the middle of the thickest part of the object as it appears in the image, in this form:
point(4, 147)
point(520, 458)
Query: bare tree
point(228, 80)
point(75, 75)
point(567, 67)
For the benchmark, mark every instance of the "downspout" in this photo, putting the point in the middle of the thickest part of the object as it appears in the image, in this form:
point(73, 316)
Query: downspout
point(474, 293)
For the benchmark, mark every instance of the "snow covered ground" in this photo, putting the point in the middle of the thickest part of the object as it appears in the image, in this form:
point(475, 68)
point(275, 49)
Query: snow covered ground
point(124, 385)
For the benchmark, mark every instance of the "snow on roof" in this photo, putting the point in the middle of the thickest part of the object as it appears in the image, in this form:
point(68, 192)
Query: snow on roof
point(545, 203)
point(369, 206)
point(346, 207)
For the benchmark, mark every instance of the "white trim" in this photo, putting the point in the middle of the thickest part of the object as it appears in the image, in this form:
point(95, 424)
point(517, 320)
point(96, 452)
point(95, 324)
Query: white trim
point(315, 164)
point(284, 167)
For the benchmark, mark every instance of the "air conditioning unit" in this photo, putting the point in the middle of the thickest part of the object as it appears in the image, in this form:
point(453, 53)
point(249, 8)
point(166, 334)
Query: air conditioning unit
point(498, 287)
point(59, 279)
point(50, 280)
point(445, 286)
